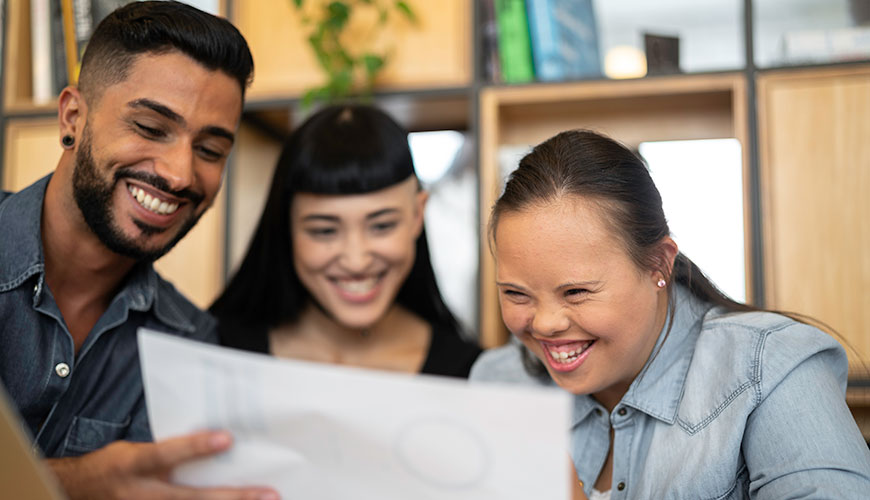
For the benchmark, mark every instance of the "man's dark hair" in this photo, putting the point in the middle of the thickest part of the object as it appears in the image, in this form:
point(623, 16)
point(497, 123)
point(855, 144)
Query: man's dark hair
point(158, 27)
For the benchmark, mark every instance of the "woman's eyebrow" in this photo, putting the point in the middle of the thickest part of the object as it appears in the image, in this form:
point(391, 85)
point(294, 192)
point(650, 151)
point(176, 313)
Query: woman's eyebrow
point(320, 217)
point(383, 211)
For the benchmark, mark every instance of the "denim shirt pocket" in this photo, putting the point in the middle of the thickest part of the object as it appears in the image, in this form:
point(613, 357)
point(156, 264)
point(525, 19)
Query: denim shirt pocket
point(88, 434)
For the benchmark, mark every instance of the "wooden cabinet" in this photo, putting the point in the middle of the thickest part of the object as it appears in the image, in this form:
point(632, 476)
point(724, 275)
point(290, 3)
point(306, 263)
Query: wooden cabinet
point(815, 184)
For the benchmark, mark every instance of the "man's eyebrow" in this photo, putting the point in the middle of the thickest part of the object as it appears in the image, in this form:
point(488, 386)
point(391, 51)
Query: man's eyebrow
point(158, 108)
point(220, 132)
point(172, 115)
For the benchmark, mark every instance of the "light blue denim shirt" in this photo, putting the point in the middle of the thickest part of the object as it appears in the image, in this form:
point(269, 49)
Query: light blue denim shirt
point(73, 403)
point(739, 405)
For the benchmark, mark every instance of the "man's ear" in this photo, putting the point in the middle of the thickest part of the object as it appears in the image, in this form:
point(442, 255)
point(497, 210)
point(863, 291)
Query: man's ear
point(72, 110)
point(420, 199)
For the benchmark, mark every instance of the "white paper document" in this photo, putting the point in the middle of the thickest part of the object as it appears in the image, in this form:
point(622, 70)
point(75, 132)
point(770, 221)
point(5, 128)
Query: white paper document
point(318, 431)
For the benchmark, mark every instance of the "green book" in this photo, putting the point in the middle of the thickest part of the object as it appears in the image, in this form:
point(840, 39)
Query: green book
point(514, 45)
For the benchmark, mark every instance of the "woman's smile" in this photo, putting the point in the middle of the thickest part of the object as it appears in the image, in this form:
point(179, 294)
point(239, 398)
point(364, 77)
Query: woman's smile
point(359, 289)
point(566, 356)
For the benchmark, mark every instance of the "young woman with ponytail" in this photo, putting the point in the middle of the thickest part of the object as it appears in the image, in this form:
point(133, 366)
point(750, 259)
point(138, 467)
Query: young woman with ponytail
point(680, 392)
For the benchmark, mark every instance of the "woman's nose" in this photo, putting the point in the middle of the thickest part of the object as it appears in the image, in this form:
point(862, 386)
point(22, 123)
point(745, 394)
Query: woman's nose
point(356, 255)
point(549, 320)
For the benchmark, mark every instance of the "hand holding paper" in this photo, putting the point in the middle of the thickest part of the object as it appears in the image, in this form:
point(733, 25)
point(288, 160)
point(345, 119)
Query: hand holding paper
point(319, 431)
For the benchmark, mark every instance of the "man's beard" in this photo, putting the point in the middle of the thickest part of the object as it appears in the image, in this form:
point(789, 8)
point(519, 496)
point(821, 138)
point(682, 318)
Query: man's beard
point(94, 196)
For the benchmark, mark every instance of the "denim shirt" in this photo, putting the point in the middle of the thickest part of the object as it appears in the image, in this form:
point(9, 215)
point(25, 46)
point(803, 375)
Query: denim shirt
point(75, 403)
point(737, 405)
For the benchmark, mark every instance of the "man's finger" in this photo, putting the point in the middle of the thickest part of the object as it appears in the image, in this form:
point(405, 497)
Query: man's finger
point(186, 493)
point(168, 453)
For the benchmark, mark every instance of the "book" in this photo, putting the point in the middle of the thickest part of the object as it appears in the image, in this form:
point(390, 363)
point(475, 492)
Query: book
point(514, 45)
point(80, 19)
point(59, 72)
point(564, 39)
point(40, 50)
point(489, 50)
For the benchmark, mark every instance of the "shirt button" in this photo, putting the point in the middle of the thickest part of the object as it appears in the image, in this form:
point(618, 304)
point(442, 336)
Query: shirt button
point(620, 486)
point(621, 412)
point(62, 370)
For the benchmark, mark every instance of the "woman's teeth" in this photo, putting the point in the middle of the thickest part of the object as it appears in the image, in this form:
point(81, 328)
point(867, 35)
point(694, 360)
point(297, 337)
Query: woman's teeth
point(565, 357)
point(152, 203)
point(358, 286)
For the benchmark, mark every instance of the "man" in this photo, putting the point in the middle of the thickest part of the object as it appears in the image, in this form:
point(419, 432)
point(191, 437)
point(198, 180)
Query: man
point(145, 136)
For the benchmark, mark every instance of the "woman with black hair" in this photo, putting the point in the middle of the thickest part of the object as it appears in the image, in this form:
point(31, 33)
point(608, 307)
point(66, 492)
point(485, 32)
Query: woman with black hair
point(338, 269)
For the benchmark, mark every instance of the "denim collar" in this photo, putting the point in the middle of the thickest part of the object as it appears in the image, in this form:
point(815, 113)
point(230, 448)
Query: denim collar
point(658, 389)
point(21, 257)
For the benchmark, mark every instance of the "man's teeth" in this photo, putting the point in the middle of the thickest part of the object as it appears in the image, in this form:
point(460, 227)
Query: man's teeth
point(358, 286)
point(568, 356)
point(152, 203)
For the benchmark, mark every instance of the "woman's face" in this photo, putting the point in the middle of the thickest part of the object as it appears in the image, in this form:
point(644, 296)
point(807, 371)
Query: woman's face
point(353, 252)
point(573, 296)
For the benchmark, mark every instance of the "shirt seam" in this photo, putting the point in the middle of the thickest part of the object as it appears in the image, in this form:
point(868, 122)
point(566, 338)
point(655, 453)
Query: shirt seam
point(22, 277)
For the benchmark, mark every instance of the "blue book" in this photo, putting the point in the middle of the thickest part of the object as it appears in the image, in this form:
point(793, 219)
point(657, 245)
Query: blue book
point(564, 38)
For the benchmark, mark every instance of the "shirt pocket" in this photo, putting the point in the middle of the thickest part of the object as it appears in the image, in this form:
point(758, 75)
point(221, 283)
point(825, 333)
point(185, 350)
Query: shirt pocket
point(88, 434)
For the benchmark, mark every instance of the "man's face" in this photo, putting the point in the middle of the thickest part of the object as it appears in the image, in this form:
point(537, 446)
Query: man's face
point(151, 156)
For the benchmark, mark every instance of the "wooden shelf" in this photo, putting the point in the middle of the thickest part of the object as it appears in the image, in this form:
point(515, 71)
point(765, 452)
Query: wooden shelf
point(438, 109)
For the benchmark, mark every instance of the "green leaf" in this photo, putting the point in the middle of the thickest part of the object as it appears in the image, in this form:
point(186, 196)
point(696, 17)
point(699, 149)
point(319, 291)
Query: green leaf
point(372, 63)
point(343, 80)
point(297, 3)
point(309, 97)
point(405, 9)
point(337, 15)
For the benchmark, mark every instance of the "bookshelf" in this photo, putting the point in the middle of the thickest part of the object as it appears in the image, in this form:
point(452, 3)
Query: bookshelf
point(437, 80)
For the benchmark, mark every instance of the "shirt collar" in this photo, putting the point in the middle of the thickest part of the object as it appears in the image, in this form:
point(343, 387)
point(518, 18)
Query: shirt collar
point(21, 246)
point(21, 256)
point(659, 387)
point(145, 289)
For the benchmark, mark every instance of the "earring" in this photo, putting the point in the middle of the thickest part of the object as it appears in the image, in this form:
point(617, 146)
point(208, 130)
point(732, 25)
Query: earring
point(67, 141)
point(661, 283)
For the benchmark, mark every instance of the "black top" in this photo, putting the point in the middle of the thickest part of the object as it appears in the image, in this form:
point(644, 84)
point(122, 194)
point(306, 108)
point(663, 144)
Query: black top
point(448, 354)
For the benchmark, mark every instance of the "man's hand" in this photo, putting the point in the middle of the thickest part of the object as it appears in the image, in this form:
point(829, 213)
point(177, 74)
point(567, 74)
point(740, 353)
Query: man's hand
point(142, 470)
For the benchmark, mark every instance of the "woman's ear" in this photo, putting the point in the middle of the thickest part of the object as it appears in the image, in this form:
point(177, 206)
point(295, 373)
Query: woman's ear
point(71, 112)
point(420, 199)
point(667, 252)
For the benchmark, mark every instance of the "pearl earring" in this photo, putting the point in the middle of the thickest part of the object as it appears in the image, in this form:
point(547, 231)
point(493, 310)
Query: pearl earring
point(661, 283)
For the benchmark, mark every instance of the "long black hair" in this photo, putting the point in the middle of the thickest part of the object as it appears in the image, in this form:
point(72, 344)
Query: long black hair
point(341, 149)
